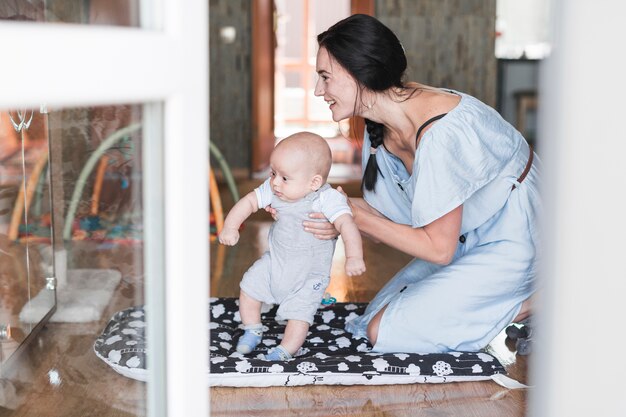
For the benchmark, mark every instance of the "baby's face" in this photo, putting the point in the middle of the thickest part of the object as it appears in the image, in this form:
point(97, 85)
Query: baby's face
point(291, 176)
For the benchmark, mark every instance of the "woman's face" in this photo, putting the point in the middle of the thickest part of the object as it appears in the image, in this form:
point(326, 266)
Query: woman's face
point(336, 85)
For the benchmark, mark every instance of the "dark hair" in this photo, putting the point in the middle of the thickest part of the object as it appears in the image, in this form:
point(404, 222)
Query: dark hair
point(374, 56)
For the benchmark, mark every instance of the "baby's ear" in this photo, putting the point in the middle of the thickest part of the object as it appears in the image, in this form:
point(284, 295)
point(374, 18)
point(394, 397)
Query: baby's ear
point(316, 182)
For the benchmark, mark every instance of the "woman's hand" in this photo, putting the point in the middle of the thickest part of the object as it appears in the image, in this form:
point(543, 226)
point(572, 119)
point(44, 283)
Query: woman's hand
point(324, 230)
point(356, 204)
point(271, 210)
point(360, 211)
point(321, 230)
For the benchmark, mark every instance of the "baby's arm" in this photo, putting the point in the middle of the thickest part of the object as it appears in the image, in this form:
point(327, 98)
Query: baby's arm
point(352, 241)
point(236, 216)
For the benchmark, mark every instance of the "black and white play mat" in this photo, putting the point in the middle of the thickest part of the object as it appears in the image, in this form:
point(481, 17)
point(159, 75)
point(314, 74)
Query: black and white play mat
point(329, 356)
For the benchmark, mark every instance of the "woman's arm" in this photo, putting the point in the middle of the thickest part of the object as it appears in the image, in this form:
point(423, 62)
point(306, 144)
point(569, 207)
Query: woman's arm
point(361, 204)
point(326, 230)
point(436, 242)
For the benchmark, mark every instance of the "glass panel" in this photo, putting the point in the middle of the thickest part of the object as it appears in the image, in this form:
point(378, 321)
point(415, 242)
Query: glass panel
point(26, 255)
point(97, 179)
point(291, 29)
point(92, 12)
point(324, 14)
point(299, 22)
point(522, 29)
point(289, 103)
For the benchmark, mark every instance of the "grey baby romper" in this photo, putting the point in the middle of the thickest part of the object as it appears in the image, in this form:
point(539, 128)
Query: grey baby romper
point(295, 271)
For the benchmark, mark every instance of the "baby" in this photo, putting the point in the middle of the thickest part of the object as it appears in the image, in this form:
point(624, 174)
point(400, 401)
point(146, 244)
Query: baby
point(295, 271)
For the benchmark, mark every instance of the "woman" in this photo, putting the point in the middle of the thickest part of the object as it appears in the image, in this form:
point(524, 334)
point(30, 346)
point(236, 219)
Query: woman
point(446, 180)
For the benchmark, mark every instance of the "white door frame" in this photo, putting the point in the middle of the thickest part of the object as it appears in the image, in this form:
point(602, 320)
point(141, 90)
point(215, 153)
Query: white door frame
point(576, 367)
point(165, 66)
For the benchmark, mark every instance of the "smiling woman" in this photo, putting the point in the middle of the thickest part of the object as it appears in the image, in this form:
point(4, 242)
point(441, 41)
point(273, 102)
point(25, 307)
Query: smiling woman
point(453, 185)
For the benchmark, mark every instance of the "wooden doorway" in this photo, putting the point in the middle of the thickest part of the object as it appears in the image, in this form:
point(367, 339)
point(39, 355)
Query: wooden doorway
point(297, 70)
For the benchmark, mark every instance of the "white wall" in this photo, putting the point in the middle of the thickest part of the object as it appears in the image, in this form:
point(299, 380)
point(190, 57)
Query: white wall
point(578, 369)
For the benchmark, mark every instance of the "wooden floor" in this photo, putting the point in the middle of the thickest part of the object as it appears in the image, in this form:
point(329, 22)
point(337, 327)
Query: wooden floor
point(59, 375)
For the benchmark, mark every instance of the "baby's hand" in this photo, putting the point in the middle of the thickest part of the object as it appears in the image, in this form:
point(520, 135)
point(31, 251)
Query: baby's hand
point(355, 266)
point(229, 237)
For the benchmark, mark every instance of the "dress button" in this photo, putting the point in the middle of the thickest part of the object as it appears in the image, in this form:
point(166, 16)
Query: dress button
point(462, 239)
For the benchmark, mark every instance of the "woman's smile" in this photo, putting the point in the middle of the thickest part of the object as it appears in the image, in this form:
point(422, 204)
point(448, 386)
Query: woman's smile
point(334, 83)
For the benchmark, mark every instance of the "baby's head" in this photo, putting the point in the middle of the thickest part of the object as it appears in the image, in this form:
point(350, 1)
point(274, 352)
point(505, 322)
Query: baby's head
point(299, 164)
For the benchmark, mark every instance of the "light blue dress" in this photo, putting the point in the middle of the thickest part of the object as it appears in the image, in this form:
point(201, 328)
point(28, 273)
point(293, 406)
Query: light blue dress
point(471, 157)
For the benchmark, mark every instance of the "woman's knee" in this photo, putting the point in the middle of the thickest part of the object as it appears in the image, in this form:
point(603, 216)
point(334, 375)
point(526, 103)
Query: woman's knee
point(526, 309)
point(374, 325)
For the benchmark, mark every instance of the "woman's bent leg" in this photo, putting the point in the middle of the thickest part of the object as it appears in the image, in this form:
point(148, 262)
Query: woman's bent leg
point(411, 273)
point(374, 324)
point(459, 307)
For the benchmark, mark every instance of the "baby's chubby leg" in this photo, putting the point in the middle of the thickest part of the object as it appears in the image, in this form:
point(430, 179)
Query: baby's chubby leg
point(249, 309)
point(250, 312)
point(295, 334)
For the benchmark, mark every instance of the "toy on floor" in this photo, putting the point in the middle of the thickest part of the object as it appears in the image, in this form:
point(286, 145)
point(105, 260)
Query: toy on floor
point(328, 300)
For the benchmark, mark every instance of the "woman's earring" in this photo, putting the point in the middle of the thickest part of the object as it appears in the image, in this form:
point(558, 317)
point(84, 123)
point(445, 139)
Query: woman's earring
point(369, 106)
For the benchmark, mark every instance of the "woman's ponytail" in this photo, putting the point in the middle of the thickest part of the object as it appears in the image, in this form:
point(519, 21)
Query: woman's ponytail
point(375, 131)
